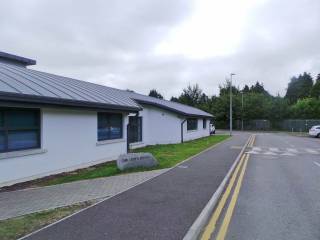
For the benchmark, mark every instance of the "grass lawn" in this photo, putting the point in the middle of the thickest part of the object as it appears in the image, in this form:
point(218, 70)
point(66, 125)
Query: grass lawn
point(168, 155)
point(19, 226)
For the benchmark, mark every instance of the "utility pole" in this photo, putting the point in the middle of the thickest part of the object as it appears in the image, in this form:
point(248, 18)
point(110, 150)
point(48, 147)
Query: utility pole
point(231, 74)
point(241, 110)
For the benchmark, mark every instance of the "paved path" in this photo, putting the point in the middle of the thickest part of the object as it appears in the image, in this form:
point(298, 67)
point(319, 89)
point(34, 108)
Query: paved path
point(280, 193)
point(163, 208)
point(26, 201)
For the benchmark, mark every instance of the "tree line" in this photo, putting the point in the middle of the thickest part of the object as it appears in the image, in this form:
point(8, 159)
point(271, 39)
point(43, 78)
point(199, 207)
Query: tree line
point(301, 101)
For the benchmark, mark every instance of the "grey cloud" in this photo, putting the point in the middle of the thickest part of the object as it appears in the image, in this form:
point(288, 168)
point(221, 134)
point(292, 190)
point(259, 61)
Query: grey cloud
point(112, 43)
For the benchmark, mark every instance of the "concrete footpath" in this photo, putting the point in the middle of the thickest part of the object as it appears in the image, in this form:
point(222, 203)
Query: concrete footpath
point(21, 202)
point(162, 208)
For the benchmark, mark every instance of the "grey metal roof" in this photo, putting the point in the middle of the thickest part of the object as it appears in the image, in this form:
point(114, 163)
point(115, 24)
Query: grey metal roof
point(17, 59)
point(169, 105)
point(27, 85)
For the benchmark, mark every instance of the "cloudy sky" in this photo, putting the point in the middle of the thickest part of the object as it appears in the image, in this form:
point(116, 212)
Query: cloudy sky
point(165, 44)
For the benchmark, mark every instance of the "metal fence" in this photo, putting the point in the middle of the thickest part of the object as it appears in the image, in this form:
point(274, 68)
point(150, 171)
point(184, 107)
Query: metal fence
point(299, 125)
point(290, 125)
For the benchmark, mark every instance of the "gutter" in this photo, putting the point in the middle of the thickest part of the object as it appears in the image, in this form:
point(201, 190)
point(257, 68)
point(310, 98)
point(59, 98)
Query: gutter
point(60, 102)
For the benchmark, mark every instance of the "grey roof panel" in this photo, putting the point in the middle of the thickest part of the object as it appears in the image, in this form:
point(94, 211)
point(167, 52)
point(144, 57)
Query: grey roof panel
point(169, 105)
point(27, 83)
point(36, 86)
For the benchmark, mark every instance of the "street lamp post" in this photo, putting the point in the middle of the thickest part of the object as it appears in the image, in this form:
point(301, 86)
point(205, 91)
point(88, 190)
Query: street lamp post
point(231, 74)
point(242, 110)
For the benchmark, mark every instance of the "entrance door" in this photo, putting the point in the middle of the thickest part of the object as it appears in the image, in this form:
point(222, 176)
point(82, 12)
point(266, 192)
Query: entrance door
point(135, 129)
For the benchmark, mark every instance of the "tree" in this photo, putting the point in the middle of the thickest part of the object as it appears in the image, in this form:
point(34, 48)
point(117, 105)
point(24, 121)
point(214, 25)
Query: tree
point(308, 108)
point(246, 89)
point(154, 93)
point(258, 88)
point(279, 109)
point(192, 96)
point(225, 89)
point(315, 90)
point(299, 87)
point(174, 99)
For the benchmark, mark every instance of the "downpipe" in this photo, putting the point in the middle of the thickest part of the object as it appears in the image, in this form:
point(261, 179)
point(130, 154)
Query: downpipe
point(182, 129)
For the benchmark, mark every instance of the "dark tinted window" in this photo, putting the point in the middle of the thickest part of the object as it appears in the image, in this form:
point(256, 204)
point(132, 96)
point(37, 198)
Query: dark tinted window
point(192, 124)
point(19, 129)
point(135, 129)
point(109, 126)
point(204, 123)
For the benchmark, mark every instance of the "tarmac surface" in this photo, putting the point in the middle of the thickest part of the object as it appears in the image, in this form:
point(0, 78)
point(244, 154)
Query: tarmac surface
point(162, 208)
point(280, 193)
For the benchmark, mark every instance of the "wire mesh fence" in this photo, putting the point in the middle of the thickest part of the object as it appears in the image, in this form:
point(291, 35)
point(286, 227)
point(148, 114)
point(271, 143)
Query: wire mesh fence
point(290, 125)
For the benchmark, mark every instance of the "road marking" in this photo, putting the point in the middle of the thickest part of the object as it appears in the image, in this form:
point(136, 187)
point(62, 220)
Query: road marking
point(215, 216)
point(236, 147)
point(287, 154)
point(292, 150)
point(226, 221)
point(252, 140)
point(309, 150)
point(316, 163)
point(270, 153)
point(182, 166)
point(273, 149)
point(256, 149)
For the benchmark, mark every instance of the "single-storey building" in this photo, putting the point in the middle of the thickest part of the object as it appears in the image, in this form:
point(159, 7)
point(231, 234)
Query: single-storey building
point(161, 121)
point(51, 124)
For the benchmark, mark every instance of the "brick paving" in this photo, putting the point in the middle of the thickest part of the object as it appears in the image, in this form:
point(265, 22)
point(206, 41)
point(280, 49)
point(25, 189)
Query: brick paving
point(21, 202)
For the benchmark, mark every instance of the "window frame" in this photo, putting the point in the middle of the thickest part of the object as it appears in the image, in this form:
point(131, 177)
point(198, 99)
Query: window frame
point(190, 127)
point(108, 121)
point(4, 111)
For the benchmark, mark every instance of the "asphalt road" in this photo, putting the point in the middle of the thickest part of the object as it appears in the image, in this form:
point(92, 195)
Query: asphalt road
point(162, 208)
point(280, 192)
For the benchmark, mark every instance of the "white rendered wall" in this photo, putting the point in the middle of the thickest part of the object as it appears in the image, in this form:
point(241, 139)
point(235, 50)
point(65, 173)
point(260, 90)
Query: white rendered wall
point(200, 132)
point(69, 138)
point(159, 126)
point(162, 127)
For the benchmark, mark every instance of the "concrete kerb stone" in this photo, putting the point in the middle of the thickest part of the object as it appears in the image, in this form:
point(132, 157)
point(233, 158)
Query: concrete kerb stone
point(197, 226)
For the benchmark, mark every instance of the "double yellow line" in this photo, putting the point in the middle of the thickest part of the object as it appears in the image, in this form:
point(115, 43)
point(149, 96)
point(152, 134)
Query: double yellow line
point(251, 140)
point(210, 228)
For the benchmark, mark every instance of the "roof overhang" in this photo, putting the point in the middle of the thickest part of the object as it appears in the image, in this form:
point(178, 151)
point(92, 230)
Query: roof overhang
point(16, 98)
point(17, 59)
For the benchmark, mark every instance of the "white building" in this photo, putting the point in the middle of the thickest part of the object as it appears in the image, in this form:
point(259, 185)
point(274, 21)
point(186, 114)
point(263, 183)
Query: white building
point(51, 124)
point(164, 122)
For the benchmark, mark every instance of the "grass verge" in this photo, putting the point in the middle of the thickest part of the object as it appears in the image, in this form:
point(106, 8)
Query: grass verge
point(19, 226)
point(168, 155)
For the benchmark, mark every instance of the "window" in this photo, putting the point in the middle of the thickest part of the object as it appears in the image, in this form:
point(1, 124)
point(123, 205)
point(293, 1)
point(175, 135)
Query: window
point(135, 129)
point(109, 126)
point(192, 124)
point(204, 124)
point(19, 129)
